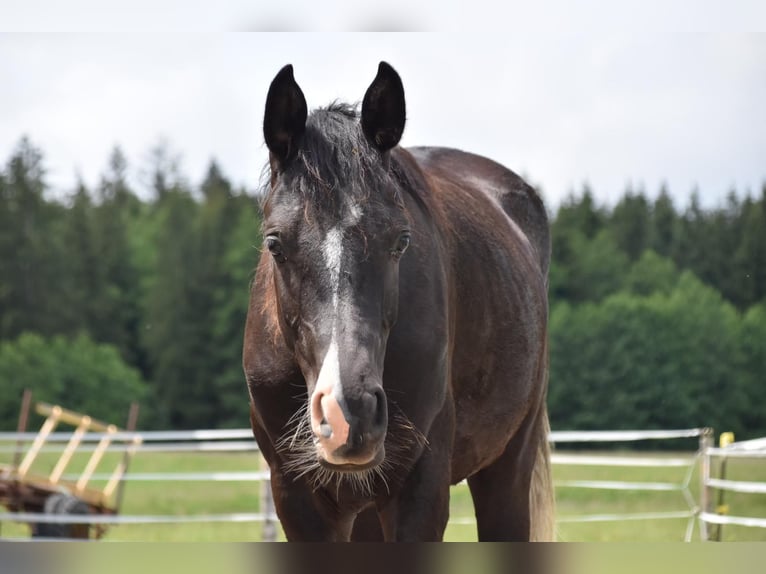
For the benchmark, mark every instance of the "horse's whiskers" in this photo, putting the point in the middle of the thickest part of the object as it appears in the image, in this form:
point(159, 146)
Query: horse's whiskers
point(403, 423)
point(403, 441)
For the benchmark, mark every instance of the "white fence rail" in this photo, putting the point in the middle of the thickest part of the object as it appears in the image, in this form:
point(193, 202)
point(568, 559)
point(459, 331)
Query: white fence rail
point(690, 463)
point(240, 440)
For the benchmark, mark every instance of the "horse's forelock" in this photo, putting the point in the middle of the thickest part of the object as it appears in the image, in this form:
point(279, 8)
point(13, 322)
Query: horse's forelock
point(334, 157)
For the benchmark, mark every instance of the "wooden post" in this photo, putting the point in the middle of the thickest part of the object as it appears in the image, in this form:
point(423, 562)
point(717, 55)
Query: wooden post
point(706, 442)
point(724, 440)
point(116, 477)
point(26, 400)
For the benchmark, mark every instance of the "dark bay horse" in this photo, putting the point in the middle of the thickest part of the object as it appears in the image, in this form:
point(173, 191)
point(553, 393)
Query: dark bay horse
point(396, 336)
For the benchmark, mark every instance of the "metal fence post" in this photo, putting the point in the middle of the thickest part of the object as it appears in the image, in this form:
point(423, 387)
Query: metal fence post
point(269, 532)
point(706, 442)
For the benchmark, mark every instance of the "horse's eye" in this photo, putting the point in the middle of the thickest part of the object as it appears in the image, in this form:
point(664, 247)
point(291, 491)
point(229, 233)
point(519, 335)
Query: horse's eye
point(275, 248)
point(401, 245)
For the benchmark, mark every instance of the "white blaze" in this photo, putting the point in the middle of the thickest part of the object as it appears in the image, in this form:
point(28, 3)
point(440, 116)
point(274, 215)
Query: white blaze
point(329, 374)
point(333, 249)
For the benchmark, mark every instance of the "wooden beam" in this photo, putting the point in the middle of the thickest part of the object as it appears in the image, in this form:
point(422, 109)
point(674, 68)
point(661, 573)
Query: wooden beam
point(71, 446)
point(95, 458)
point(50, 423)
point(71, 417)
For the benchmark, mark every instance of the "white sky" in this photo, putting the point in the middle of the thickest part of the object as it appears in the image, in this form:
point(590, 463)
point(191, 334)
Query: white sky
point(560, 108)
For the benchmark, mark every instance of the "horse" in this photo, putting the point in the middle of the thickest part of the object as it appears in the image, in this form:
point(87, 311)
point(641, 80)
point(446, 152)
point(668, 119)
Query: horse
point(396, 335)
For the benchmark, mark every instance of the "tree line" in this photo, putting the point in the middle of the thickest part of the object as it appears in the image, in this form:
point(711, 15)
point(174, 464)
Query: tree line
point(657, 314)
point(157, 289)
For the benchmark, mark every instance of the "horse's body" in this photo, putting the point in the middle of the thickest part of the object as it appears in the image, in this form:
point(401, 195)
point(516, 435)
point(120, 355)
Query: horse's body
point(440, 360)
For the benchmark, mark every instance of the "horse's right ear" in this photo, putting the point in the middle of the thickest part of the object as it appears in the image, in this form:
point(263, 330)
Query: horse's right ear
point(285, 118)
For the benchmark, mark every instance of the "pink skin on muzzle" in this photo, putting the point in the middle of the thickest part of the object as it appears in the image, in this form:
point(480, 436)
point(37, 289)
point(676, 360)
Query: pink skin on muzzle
point(325, 407)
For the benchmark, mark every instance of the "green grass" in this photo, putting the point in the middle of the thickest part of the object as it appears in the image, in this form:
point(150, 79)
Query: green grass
point(194, 498)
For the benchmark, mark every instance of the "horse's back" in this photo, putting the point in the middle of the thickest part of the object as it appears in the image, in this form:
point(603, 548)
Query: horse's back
point(517, 198)
point(499, 249)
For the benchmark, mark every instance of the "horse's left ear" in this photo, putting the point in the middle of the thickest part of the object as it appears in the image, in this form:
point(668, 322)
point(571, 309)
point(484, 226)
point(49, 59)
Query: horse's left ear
point(383, 111)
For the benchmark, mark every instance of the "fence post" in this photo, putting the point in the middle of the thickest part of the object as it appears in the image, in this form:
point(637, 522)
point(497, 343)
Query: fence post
point(706, 442)
point(269, 532)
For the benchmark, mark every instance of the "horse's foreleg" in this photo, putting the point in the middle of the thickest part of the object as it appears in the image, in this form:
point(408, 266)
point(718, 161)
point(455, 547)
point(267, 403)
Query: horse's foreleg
point(421, 509)
point(500, 491)
point(305, 516)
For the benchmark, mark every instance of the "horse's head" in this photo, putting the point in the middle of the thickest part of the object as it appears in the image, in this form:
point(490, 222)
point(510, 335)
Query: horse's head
point(336, 229)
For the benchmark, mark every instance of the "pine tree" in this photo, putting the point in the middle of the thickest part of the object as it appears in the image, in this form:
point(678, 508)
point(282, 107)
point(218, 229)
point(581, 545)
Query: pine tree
point(175, 333)
point(230, 300)
point(116, 306)
point(664, 224)
point(30, 251)
point(750, 257)
point(629, 224)
point(77, 282)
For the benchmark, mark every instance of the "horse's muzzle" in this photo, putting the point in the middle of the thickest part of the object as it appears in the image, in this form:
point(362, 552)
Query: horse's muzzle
point(349, 431)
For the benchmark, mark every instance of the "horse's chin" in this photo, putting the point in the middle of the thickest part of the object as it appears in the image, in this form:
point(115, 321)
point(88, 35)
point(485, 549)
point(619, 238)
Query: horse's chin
point(356, 464)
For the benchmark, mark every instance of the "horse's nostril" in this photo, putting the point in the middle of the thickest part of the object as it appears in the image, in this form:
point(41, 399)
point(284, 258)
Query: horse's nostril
point(381, 408)
point(325, 430)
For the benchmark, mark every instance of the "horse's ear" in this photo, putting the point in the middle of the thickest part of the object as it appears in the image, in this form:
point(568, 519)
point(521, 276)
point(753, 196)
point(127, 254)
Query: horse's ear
point(383, 110)
point(285, 118)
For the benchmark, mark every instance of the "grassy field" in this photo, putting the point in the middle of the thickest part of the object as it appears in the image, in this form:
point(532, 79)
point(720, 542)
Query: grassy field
point(194, 498)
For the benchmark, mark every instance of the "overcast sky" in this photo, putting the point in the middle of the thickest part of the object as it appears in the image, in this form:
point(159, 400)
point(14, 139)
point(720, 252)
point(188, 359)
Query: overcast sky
point(560, 108)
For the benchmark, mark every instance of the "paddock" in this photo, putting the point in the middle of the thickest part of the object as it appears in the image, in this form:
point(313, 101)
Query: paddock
point(213, 485)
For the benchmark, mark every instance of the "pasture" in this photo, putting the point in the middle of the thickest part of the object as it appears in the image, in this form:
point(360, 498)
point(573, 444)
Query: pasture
point(196, 498)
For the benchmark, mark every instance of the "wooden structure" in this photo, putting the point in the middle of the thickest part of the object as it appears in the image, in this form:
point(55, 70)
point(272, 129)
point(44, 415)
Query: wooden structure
point(23, 491)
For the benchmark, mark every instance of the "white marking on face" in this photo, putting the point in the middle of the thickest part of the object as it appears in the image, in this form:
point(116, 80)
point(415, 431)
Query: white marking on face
point(354, 214)
point(333, 250)
point(329, 374)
